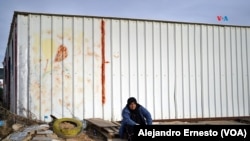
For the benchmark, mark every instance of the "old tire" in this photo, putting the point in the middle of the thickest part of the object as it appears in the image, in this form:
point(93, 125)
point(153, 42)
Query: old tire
point(67, 133)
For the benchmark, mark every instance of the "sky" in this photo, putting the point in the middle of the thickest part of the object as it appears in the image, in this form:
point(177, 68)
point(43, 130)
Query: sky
point(196, 11)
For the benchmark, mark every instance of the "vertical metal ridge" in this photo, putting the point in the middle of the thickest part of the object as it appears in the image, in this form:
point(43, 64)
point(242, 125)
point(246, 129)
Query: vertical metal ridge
point(153, 68)
point(220, 81)
point(242, 72)
point(175, 104)
point(219, 45)
point(40, 66)
point(73, 66)
point(62, 69)
point(145, 58)
point(168, 70)
point(201, 63)
point(83, 67)
point(137, 61)
point(93, 68)
point(28, 61)
point(121, 54)
point(226, 72)
point(215, 105)
point(111, 70)
point(195, 74)
point(129, 59)
point(237, 77)
point(161, 70)
point(182, 73)
point(189, 81)
point(51, 64)
point(231, 69)
point(247, 57)
point(209, 114)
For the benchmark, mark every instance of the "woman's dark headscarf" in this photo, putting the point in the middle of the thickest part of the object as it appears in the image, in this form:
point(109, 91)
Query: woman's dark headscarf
point(135, 114)
point(131, 100)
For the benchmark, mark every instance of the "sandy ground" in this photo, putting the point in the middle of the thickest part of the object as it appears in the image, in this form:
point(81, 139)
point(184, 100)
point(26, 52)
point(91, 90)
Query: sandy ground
point(89, 135)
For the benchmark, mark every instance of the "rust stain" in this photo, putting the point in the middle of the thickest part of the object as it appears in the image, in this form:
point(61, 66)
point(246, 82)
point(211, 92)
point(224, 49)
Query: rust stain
point(60, 101)
point(62, 53)
point(48, 32)
point(103, 60)
point(67, 76)
point(60, 36)
point(68, 104)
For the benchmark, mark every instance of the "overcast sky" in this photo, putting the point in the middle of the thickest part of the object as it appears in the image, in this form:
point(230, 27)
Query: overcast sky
point(201, 11)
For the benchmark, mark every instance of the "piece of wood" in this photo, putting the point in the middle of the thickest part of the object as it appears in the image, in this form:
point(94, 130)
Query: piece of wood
point(101, 123)
point(116, 123)
point(109, 130)
point(115, 129)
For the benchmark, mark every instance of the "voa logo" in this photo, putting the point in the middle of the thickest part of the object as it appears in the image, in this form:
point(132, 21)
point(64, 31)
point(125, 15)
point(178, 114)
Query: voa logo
point(222, 18)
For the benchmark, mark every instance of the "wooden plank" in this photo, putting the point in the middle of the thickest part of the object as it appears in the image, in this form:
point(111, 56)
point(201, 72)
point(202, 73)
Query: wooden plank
point(115, 129)
point(100, 122)
point(109, 130)
point(116, 123)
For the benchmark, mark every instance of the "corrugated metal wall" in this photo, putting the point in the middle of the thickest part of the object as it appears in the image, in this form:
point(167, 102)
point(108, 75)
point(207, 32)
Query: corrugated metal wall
point(88, 67)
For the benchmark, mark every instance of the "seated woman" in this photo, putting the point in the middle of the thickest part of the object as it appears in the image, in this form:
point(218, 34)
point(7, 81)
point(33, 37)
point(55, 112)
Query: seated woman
point(133, 114)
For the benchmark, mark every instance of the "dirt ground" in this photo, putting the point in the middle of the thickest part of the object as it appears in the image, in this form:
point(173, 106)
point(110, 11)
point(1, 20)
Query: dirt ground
point(90, 135)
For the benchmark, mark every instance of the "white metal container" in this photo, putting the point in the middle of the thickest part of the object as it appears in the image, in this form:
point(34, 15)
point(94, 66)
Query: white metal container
point(87, 67)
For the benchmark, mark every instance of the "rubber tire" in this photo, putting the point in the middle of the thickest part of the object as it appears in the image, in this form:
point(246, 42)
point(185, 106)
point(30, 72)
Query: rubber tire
point(67, 133)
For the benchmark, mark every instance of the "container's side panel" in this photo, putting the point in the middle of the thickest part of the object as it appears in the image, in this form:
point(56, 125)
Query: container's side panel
point(35, 66)
point(244, 73)
point(185, 71)
point(234, 71)
point(108, 107)
point(204, 72)
point(46, 60)
point(58, 55)
point(88, 68)
point(192, 72)
point(78, 89)
point(141, 62)
point(223, 90)
point(217, 74)
point(228, 69)
point(239, 71)
point(178, 93)
point(157, 93)
point(172, 70)
point(211, 71)
point(22, 66)
point(115, 70)
point(198, 70)
point(149, 68)
point(67, 67)
point(165, 105)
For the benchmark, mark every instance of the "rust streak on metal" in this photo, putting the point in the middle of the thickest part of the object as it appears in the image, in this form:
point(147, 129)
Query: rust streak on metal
point(62, 53)
point(103, 60)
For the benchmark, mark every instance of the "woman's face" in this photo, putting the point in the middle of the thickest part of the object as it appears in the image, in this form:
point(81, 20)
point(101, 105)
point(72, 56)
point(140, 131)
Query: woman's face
point(132, 106)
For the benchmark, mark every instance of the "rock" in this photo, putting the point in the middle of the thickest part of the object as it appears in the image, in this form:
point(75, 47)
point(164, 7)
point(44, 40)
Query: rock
point(17, 127)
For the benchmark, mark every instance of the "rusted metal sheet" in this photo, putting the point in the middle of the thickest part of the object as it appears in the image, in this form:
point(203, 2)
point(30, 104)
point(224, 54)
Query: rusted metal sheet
point(87, 67)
